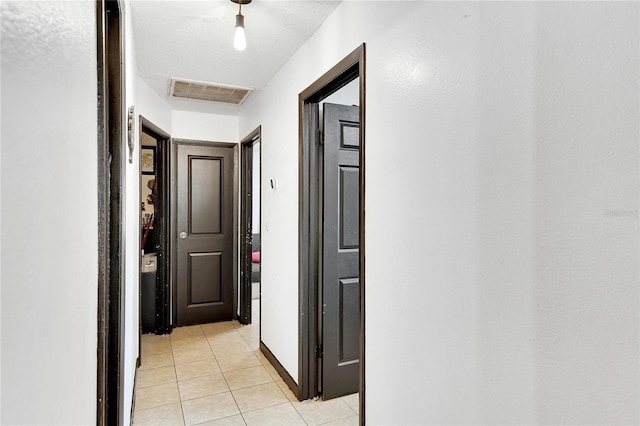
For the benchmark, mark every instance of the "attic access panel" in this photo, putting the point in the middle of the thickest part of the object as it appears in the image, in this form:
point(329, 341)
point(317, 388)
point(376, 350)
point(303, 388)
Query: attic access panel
point(204, 91)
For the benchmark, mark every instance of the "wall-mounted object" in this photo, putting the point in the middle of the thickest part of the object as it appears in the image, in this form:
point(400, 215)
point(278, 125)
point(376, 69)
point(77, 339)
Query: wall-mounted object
point(274, 183)
point(148, 160)
point(130, 135)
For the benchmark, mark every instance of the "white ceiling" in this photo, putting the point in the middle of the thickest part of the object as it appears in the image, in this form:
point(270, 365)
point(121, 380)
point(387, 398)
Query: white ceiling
point(193, 40)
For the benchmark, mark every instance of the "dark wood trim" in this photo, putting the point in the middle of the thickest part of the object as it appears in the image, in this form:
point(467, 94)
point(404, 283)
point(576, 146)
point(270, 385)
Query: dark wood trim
point(202, 142)
point(246, 182)
point(103, 219)
point(286, 377)
point(352, 66)
point(163, 218)
point(110, 95)
point(362, 71)
point(338, 76)
point(174, 217)
point(115, 87)
point(236, 225)
point(308, 252)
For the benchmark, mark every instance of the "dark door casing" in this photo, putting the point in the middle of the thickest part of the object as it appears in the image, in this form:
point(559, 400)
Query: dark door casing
point(341, 251)
point(247, 225)
point(204, 240)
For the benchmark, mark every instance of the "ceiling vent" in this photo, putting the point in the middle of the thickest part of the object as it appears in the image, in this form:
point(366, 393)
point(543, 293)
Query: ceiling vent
point(189, 89)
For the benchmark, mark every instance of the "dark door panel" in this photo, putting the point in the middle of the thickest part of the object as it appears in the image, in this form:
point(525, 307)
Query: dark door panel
point(340, 254)
point(204, 237)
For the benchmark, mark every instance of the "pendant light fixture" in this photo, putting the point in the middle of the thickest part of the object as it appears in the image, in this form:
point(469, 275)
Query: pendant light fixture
point(239, 39)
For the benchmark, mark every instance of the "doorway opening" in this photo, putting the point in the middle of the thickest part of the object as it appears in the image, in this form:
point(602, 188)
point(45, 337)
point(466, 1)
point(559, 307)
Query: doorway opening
point(250, 209)
point(154, 228)
point(331, 234)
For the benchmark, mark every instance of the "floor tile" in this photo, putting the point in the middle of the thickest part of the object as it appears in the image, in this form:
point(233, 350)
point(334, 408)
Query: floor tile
point(154, 338)
point(198, 368)
point(155, 361)
point(230, 348)
point(257, 397)
point(169, 415)
point(254, 343)
point(156, 347)
point(155, 376)
point(189, 331)
point(231, 336)
point(187, 343)
point(236, 420)
point(263, 359)
point(198, 371)
point(319, 412)
point(283, 414)
point(273, 372)
point(286, 391)
point(353, 401)
point(347, 421)
point(249, 332)
point(202, 386)
point(156, 396)
point(191, 355)
point(208, 408)
point(246, 377)
point(217, 328)
point(238, 361)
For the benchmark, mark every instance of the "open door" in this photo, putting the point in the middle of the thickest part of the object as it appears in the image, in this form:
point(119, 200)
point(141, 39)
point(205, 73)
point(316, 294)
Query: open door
point(331, 233)
point(341, 251)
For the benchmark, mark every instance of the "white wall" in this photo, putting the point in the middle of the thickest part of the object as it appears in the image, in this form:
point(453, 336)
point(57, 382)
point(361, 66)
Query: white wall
point(152, 106)
point(502, 208)
point(586, 213)
point(131, 223)
point(204, 126)
point(49, 210)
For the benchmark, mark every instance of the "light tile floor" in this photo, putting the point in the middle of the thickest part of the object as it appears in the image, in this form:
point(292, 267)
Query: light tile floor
point(214, 374)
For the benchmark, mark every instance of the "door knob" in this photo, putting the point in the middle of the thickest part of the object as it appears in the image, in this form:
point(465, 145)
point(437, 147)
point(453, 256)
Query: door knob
point(183, 235)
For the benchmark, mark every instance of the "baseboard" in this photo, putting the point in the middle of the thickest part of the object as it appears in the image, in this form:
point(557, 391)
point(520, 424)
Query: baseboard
point(281, 370)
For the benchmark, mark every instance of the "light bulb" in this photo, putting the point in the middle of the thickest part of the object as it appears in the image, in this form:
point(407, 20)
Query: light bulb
point(240, 40)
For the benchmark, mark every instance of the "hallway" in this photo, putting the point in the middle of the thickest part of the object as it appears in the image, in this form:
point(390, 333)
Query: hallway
point(214, 374)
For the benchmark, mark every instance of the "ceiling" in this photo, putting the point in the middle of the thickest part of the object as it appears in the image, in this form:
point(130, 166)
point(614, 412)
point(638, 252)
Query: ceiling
point(193, 40)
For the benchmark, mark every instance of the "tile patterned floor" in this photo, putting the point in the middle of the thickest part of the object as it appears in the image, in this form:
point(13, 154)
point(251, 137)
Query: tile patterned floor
point(214, 374)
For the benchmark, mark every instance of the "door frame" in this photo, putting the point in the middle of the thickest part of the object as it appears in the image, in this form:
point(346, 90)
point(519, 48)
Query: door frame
point(246, 182)
point(173, 233)
point(353, 65)
point(163, 262)
point(110, 158)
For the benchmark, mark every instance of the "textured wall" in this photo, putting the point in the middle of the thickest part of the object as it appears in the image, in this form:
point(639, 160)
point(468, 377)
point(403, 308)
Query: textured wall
point(501, 208)
point(586, 213)
point(49, 211)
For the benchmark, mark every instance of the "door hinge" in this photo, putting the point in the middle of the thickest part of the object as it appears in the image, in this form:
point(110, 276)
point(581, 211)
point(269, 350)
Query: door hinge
point(319, 138)
point(318, 351)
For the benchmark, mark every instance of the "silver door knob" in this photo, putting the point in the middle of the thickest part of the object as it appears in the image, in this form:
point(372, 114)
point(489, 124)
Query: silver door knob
point(183, 235)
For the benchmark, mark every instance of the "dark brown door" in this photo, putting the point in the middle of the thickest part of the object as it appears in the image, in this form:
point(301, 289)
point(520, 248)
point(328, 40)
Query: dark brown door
point(340, 253)
point(204, 237)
